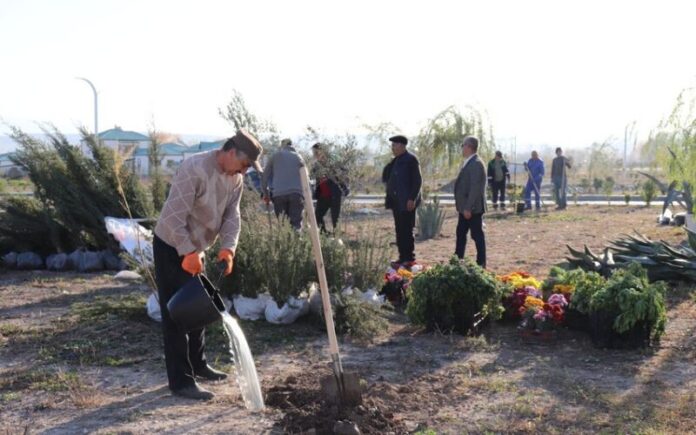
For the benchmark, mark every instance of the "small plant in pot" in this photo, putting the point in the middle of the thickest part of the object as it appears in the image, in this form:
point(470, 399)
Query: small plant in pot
point(629, 311)
point(455, 296)
point(577, 286)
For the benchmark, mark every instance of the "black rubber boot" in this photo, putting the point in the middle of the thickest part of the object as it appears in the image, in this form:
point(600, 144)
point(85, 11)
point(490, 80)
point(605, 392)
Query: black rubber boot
point(210, 374)
point(194, 392)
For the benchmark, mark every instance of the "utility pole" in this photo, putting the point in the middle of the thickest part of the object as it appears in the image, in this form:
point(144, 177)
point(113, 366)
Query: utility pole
point(96, 106)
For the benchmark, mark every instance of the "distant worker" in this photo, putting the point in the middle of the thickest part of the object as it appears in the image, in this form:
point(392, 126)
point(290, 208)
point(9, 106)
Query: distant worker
point(202, 206)
point(470, 201)
point(498, 174)
point(559, 178)
point(282, 172)
point(403, 194)
point(330, 187)
point(535, 174)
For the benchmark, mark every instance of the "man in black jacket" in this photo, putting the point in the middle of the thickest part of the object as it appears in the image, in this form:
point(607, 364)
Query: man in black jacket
point(498, 174)
point(470, 200)
point(403, 179)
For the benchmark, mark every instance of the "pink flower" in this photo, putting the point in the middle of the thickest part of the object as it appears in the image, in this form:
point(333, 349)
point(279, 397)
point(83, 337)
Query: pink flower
point(557, 299)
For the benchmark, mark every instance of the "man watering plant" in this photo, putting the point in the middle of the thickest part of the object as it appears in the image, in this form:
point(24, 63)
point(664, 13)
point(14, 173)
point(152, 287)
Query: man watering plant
point(203, 204)
point(403, 179)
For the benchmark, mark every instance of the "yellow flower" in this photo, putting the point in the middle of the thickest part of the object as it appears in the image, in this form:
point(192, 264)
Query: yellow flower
point(563, 288)
point(404, 273)
point(532, 302)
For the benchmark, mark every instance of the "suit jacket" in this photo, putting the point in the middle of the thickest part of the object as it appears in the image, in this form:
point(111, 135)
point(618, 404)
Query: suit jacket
point(470, 187)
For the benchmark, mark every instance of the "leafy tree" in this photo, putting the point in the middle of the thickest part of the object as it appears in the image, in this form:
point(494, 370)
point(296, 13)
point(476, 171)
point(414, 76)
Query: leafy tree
point(238, 114)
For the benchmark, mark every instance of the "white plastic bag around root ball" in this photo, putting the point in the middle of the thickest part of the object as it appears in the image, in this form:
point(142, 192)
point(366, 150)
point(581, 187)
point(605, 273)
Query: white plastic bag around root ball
point(251, 308)
point(153, 308)
point(293, 309)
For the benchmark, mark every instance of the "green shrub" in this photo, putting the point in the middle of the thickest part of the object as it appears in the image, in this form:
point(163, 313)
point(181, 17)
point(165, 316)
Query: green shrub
point(357, 318)
point(585, 284)
point(627, 198)
point(608, 188)
point(273, 257)
point(632, 299)
point(29, 226)
point(649, 191)
point(76, 192)
point(431, 216)
point(368, 257)
point(449, 296)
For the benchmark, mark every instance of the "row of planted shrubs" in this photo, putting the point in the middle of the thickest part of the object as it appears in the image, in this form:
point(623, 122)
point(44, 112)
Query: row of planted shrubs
point(623, 311)
point(272, 257)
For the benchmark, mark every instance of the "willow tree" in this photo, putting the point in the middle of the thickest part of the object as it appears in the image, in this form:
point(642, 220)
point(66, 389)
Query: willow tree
point(673, 143)
point(439, 143)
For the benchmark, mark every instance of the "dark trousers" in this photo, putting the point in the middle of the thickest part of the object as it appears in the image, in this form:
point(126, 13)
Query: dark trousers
point(183, 353)
point(498, 188)
point(325, 204)
point(404, 221)
point(290, 205)
point(475, 224)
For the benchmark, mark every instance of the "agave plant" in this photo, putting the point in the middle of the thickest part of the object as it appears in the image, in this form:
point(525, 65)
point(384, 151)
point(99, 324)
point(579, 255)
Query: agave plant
point(662, 260)
point(431, 216)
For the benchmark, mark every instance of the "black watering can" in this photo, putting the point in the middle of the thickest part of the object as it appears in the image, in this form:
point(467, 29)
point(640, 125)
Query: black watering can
point(197, 303)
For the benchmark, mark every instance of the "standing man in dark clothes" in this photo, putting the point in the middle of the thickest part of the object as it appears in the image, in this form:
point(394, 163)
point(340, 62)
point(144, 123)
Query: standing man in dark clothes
point(559, 178)
point(470, 200)
point(282, 178)
point(203, 204)
point(331, 186)
point(403, 178)
point(497, 175)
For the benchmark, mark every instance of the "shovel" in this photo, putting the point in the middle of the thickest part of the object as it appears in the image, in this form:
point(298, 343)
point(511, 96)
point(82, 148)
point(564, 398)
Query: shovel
point(344, 388)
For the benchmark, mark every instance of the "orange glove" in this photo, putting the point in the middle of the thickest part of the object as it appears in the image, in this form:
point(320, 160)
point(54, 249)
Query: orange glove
point(226, 255)
point(192, 263)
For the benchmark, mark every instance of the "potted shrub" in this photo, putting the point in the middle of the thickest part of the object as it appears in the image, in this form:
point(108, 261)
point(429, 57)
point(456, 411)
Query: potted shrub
point(629, 311)
point(577, 286)
point(455, 296)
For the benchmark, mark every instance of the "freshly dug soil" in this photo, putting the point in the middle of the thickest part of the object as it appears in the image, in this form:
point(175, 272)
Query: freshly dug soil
point(305, 409)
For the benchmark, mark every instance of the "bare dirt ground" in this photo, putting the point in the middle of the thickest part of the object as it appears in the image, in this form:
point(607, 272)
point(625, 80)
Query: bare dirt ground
point(78, 354)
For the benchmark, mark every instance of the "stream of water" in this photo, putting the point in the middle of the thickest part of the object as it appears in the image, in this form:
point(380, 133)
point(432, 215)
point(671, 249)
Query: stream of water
point(245, 370)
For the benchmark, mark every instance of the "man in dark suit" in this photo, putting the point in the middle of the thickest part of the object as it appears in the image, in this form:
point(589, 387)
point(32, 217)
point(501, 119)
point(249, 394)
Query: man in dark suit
point(403, 179)
point(470, 200)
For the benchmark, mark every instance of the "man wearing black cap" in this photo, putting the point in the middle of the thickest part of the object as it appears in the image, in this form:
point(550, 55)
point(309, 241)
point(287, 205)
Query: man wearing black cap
point(403, 179)
point(203, 204)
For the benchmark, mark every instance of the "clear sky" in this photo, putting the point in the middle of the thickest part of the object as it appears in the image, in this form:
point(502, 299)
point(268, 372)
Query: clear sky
point(548, 72)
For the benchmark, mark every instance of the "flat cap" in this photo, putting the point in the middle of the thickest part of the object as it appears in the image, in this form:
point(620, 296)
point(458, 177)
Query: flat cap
point(399, 139)
point(250, 146)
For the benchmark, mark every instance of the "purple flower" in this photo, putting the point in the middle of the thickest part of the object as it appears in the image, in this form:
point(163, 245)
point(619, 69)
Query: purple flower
point(531, 291)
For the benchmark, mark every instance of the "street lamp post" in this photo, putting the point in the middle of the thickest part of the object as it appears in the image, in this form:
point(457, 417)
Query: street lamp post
point(96, 107)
